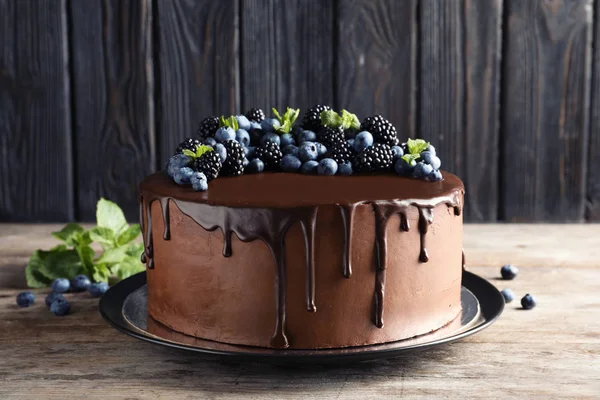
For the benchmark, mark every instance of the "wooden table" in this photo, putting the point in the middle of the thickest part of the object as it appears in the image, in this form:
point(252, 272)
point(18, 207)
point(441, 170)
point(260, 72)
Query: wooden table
point(551, 351)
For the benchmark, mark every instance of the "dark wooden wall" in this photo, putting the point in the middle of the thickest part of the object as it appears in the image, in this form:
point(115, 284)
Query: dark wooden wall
point(96, 94)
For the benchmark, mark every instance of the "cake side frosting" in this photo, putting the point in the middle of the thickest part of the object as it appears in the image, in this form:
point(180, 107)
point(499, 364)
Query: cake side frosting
point(273, 204)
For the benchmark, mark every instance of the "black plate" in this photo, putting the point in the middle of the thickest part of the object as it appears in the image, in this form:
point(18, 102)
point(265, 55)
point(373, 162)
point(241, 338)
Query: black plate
point(124, 306)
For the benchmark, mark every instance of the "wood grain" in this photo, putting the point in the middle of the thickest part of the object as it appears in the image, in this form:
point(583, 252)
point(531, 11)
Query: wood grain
point(35, 120)
point(592, 210)
point(197, 61)
point(376, 61)
point(287, 53)
point(549, 351)
point(545, 109)
point(113, 101)
point(459, 74)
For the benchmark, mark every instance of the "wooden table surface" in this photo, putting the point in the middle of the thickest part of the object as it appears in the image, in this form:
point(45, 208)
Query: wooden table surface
point(551, 351)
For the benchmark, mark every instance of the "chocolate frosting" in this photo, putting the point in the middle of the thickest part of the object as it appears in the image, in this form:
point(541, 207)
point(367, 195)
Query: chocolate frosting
point(265, 206)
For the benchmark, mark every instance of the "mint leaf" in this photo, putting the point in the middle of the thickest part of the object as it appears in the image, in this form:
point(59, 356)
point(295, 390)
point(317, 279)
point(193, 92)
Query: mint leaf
point(331, 118)
point(410, 159)
point(416, 146)
point(34, 272)
point(349, 120)
point(230, 122)
point(109, 215)
point(188, 153)
point(112, 256)
point(130, 234)
point(135, 250)
point(287, 120)
point(276, 113)
point(45, 266)
point(101, 273)
point(86, 257)
point(129, 266)
point(104, 236)
point(69, 230)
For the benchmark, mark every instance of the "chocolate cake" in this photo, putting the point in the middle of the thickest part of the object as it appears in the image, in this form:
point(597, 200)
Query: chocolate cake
point(304, 260)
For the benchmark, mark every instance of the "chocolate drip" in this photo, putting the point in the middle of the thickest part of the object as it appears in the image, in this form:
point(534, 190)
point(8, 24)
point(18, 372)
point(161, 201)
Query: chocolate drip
point(347, 219)
point(270, 224)
point(308, 227)
point(425, 219)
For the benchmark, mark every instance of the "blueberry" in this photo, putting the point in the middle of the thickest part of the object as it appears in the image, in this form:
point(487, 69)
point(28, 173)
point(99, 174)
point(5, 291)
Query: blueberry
point(222, 151)
point(509, 272)
point(199, 182)
point(25, 299)
point(350, 142)
point(308, 151)
point(309, 167)
point(508, 295)
point(270, 137)
point(402, 168)
point(210, 142)
point(431, 159)
point(255, 166)
point(421, 170)
point(269, 124)
point(245, 162)
point(434, 176)
point(250, 152)
point(183, 176)
point(242, 136)
point(176, 163)
point(290, 163)
point(345, 168)
point(60, 285)
point(254, 126)
point(224, 134)
point(363, 140)
point(321, 149)
point(397, 152)
point(306, 136)
point(98, 289)
point(290, 149)
point(53, 296)
point(287, 139)
point(60, 307)
point(327, 166)
point(528, 302)
point(243, 122)
point(80, 283)
point(430, 149)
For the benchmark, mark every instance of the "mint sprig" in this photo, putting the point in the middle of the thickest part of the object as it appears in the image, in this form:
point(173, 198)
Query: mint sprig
point(345, 120)
point(75, 255)
point(414, 147)
point(200, 150)
point(230, 122)
point(286, 121)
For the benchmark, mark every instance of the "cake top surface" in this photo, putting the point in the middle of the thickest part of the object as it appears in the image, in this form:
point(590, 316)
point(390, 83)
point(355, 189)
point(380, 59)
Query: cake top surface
point(281, 190)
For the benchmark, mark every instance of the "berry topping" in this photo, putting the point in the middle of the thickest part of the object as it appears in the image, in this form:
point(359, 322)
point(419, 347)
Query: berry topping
point(270, 125)
point(290, 149)
point(199, 182)
point(209, 163)
point(345, 168)
point(306, 136)
point(528, 302)
point(243, 122)
point(255, 166)
point(309, 167)
point(290, 163)
point(208, 127)
point(287, 139)
point(331, 136)
point(25, 299)
point(224, 134)
point(382, 130)
point(312, 117)
point(509, 272)
point(243, 137)
point(271, 137)
point(234, 163)
point(340, 152)
point(376, 158)
point(255, 115)
point(188, 144)
point(308, 151)
point(327, 166)
point(270, 154)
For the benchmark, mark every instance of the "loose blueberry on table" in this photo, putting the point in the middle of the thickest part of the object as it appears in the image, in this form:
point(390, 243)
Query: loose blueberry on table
point(80, 283)
point(528, 302)
point(326, 143)
point(60, 307)
point(25, 299)
point(508, 295)
point(509, 272)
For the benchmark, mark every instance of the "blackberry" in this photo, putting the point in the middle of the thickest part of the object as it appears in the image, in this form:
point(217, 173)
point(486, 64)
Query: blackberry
point(270, 154)
point(376, 158)
point(234, 163)
point(330, 136)
point(340, 152)
point(382, 130)
point(188, 144)
point(255, 114)
point(209, 164)
point(312, 118)
point(208, 127)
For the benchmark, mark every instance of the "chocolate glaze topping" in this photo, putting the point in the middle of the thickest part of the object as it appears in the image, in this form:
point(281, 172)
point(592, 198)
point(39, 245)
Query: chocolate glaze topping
point(265, 206)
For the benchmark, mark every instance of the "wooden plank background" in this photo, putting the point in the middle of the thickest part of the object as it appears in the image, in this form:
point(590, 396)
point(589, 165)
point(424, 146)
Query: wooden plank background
point(95, 96)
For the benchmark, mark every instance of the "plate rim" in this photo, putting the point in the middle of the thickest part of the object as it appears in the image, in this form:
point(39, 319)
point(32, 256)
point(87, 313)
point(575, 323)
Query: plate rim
point(490, 309)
